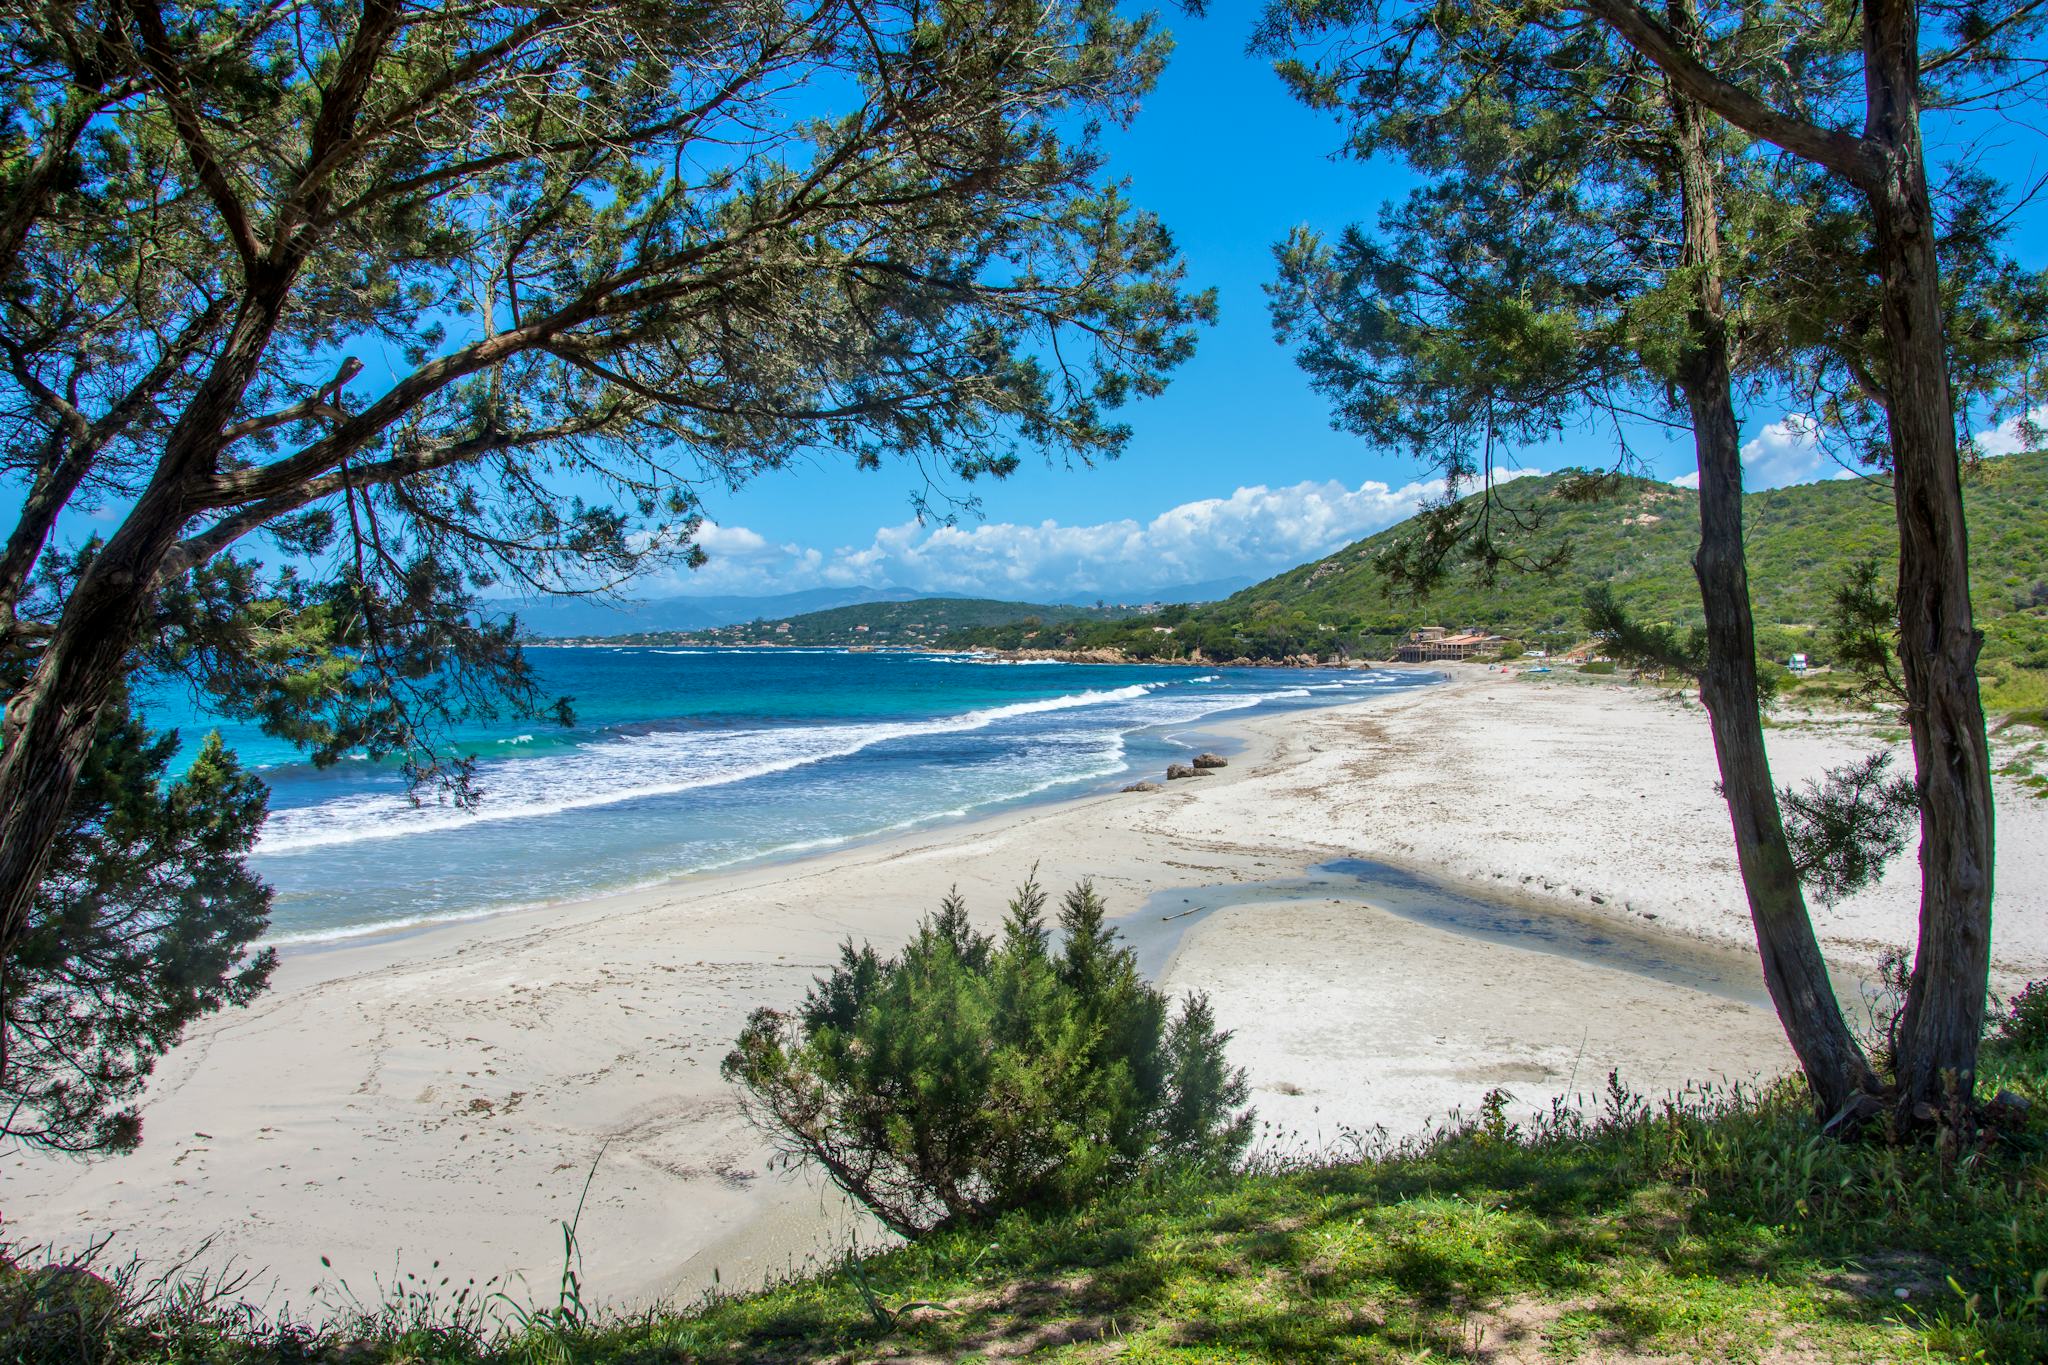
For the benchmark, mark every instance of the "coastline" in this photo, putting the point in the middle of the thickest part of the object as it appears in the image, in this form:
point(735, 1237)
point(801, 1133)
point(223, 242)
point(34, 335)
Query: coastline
point(441, 1092)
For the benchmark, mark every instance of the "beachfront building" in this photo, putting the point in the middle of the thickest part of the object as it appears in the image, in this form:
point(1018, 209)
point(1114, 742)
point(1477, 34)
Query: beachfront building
point(1435, 644)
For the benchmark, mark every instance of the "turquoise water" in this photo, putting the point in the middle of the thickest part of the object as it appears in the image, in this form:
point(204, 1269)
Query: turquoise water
point(692, 760)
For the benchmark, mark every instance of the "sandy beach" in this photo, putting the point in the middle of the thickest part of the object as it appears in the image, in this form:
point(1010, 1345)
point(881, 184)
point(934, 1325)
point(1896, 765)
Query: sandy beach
point(440, 1096)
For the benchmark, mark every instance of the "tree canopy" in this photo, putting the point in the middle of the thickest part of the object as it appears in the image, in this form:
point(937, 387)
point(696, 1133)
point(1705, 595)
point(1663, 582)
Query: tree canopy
point(1634, 213)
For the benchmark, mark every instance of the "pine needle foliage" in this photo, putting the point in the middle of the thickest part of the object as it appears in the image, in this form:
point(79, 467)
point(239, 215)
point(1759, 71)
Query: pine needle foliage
point(145, 924)
point(976, 1075)
point(1846, 828)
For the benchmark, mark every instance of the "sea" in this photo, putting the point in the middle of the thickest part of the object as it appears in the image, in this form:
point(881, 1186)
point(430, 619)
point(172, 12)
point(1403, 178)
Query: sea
point(686, 761)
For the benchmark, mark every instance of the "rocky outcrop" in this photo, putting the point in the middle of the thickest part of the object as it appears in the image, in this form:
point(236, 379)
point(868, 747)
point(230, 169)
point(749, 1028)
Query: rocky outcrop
point(1208, 760)
point(1144, 787)
point(1064, 656)
point(1176, 771)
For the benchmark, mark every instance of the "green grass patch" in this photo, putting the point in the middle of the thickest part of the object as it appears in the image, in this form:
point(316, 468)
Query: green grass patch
point(2016, 695)
point(1721, 1228)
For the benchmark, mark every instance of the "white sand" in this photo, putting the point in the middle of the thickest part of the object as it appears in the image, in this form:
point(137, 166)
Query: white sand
point(441, 1095)
point(1571, 791)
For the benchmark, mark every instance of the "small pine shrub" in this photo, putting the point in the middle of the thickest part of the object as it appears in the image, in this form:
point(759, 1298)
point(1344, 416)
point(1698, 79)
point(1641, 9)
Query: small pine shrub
point(973, 1076)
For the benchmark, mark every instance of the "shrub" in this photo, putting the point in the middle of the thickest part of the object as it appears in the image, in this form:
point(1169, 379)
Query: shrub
point(970, 1077)
point(2025, 1025)
point(1597, 666)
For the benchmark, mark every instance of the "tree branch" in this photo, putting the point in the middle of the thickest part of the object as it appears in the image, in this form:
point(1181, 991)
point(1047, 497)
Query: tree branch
point(1940, 61)
point(340, 104)
point(321, 404)
point(157, 59)
point(197, 549)
point(1848, 155)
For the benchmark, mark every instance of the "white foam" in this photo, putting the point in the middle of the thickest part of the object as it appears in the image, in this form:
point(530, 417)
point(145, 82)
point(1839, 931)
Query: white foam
point(629, 768)
point(994, 663)
point(1107, 760)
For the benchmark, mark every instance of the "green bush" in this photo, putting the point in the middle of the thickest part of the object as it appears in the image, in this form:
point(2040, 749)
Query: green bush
point(970, 1077)
point(2025, 1025)
point(1597, 666)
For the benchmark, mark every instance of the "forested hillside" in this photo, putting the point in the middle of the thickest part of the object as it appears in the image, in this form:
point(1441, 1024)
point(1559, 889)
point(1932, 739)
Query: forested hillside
point(1640, 539)
point(923, 621)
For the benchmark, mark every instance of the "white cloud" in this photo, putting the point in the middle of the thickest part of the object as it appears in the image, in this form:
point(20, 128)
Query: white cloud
point(1790, 450)
point(1786, 451)
point(2016, 435)
point(736, 542)
point(1256, 530)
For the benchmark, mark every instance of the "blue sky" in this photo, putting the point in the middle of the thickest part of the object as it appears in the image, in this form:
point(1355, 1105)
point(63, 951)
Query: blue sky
point(1235, 472)
point(1236, 462)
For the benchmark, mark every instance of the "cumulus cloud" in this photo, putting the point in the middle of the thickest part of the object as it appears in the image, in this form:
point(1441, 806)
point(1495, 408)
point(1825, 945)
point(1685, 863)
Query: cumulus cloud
point(1786, 451)
point(1256, 530)
point(1790, 450)
point(731, 542)
point(2028, 431)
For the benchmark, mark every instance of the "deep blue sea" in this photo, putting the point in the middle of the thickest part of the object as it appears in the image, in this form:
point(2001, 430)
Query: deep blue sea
point(687, 760)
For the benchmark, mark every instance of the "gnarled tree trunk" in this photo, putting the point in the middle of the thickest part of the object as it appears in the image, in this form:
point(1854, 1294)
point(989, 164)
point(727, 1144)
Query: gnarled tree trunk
point(1938, 641)
point(1794, 970)
point(47, 730)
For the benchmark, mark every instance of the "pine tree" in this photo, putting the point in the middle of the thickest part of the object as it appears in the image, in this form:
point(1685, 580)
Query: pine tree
point(142, 926)
point(345, 315)
point(1199, 1085)
point(951, 1083)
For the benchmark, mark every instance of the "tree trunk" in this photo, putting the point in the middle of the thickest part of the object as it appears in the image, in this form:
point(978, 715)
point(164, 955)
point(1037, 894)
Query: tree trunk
point(50, 723)
point(1938, 641)
point(47, 497)
point(1794, 970)
point(48, 726)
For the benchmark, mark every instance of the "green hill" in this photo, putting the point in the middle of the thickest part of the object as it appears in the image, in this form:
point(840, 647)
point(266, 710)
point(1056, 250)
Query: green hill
point(1640, 539)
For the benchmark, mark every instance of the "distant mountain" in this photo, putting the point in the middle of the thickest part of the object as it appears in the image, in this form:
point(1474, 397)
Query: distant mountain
point(556, 618)
point(551, 618)
point(922, 621)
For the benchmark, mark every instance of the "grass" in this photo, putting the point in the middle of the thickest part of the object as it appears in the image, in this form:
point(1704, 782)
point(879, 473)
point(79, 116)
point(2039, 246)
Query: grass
point(1718, 1228)
point(2014, 691)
